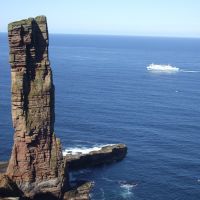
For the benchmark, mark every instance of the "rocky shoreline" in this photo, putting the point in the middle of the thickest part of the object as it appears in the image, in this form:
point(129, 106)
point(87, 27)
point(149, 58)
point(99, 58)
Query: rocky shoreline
point(37, 168)
point(107, 154)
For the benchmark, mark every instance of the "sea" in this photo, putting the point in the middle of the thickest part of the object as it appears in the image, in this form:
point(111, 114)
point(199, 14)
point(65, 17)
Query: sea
point(105, 95)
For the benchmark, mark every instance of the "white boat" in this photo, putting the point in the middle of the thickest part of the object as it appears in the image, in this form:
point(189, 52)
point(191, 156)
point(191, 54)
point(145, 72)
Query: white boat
point(162, 68)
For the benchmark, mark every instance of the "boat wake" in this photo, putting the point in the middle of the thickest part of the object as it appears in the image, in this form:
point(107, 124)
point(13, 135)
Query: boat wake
point(189, 71)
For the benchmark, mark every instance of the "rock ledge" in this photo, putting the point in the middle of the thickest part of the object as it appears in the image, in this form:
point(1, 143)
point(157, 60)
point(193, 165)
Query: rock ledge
point(106, 155)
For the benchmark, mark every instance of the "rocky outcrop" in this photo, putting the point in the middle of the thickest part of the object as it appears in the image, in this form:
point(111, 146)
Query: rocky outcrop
point(8, 187)
point(80, 192)
point(76, 161)
point(36, 163)
point(105, 155)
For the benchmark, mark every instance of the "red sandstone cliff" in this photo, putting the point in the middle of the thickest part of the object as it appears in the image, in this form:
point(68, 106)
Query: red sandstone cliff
point(36, 162)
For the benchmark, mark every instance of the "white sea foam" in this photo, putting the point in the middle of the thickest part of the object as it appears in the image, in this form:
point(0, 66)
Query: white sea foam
point(127, 184)
point(103, 194)
point(83, 150)
point(189, 71)
point(127, 189)
point(162, 68)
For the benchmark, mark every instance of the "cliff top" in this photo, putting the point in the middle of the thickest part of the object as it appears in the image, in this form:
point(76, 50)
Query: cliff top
point(28, 21)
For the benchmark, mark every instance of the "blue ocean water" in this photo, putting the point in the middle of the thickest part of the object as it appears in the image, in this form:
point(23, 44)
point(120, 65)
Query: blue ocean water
point(104, 94)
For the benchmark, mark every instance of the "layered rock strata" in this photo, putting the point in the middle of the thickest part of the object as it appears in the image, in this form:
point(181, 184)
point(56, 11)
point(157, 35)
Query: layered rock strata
point(36, 163)
point(105, 155)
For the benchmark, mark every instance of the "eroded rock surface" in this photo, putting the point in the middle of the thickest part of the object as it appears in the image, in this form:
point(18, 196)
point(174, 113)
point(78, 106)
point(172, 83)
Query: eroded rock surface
point(80, 192)
point(36, 163)
point(8, 187)
point(105, 155)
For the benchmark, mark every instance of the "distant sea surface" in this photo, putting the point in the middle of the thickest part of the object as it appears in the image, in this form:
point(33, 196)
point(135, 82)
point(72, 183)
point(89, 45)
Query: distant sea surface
point(105, 95)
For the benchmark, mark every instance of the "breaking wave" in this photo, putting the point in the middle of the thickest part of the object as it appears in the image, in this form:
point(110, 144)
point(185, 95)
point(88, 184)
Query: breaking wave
point(127, 189)
point(83, 150)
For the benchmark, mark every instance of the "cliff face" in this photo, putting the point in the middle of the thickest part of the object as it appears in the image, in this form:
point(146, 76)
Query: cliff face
point(36, 162)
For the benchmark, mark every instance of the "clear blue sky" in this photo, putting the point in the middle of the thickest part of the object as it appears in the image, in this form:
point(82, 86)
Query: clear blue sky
point(116, 17)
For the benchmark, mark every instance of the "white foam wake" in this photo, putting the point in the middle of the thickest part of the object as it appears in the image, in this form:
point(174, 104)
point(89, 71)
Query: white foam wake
point(83, 150)
point(162, 68)
point(189, 71)
point(127, 189)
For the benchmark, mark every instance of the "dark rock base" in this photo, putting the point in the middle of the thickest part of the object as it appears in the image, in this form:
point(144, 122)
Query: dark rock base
point(106, 155)
point(81, 190)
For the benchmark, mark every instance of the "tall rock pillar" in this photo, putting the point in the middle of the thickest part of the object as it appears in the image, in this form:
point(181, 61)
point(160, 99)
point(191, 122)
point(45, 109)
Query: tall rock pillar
point(36, 163)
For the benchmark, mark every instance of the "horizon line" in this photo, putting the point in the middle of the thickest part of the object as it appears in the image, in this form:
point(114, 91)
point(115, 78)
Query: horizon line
point(123, 35)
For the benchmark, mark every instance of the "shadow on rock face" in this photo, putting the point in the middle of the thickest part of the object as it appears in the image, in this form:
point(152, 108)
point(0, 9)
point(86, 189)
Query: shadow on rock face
point(8, 187)
point(45, 196)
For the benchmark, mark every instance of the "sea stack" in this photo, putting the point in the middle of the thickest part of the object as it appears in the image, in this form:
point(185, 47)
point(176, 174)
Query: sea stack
point(36, 163)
